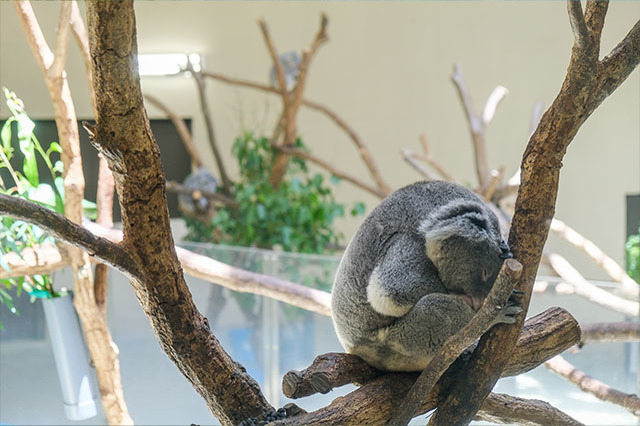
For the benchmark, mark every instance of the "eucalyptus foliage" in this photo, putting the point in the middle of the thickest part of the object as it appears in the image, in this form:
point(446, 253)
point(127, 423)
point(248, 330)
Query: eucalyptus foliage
point(22, 179)
point(297, 216)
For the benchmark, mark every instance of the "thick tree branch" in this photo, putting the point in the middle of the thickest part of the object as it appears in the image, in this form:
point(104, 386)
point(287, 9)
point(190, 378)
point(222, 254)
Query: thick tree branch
point(506, 409)
point(123, 134)
point(63, 229)
point(181, 127)
point(535, 205)
point(454, 345)
point(545, 336)
point(595, 387)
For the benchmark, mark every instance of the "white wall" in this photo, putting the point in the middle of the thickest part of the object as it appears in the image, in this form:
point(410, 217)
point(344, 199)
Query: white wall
point(386, 71)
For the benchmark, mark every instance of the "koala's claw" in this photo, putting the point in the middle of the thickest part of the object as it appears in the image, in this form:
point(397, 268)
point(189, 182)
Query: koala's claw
point(507, 314)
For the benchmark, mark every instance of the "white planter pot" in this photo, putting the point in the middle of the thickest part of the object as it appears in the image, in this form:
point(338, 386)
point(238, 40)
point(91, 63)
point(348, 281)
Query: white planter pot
point(75, 373)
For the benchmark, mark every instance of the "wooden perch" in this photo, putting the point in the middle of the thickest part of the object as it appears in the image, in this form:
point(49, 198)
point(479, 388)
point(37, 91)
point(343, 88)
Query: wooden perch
point(595, 387)
point(543, 337)
point(181, 127)
point(507, 409)
point(610, 332)
point(454, 345)
point(629, 286)
point(587, 83)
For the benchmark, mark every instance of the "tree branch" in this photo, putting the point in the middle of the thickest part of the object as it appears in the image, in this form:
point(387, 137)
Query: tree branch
point(543, 337)
point(628, 286)
point(62, 38)
point(181, 127)
point(208, 121)
point(549, 334)
point(595, 387)
point(123, 135)
point(410, 157)
point(63, 229)
point(507, 409)
point(586, 289)
point(181, 189)
point(610, 332)
point(476, 126)
point(42, 259)
point(360, 145)
point(454, 345)
point(535, 206)
point(357, 182)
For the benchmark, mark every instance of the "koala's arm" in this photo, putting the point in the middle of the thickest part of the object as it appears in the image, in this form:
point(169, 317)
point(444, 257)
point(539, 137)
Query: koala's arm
point(401, 277)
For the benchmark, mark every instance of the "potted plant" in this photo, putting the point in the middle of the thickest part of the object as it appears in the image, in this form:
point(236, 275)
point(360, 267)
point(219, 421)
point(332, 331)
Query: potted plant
point(73, 363)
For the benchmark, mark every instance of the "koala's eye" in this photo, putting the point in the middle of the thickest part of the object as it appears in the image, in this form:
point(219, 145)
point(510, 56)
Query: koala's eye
point(485, 275)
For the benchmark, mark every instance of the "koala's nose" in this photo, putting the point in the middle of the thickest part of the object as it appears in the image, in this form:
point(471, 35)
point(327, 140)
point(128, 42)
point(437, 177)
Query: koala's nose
point(505, 252)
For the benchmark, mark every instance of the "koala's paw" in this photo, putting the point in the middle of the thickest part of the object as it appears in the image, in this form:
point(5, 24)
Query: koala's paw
point(507, 314)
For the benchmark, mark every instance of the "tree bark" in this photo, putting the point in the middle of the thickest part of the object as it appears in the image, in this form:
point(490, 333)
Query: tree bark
point(588, 82)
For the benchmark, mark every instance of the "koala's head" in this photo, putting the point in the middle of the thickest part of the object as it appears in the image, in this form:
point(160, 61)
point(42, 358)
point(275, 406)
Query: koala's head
point(464, 243)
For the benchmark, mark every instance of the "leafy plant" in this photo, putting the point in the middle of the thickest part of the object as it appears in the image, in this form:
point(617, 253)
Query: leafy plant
point(297, 216)
point(25, 181)
point(632, 248)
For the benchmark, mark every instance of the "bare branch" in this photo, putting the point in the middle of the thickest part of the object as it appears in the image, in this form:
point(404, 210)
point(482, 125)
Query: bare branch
point(476, 126)
point(493, 101)
point(65, 230)
point(594, 15)
point(586, 289)
point(360, 145)
point(616, 67)
point(41, 259)
point(62, 38)
point(337, 173)
point(629, 286)
point(578, 25)
point(506, 409)
point(204, 105)
point(238, 279)
point(34, 35)
point(410, 157)
point(610, 332)
point(595, 387)
point(454, 345)
point(496, 177)
point(282, 85)
point(181, 127)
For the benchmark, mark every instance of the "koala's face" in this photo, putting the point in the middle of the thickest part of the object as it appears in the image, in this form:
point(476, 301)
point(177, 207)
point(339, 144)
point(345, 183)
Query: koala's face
point(468, 256)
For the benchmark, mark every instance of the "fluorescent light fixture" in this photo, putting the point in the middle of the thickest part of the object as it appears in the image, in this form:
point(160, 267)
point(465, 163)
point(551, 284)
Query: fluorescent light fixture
point(165, 64)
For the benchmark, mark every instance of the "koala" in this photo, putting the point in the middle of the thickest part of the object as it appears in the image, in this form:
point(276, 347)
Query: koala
point(415, 273)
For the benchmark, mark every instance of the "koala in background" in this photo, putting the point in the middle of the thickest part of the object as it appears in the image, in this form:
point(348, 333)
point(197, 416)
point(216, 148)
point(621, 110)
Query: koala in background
point(415, 273)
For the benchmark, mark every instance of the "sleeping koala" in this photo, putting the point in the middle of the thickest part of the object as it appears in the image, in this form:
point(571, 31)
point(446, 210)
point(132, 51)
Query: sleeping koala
point(415, 273)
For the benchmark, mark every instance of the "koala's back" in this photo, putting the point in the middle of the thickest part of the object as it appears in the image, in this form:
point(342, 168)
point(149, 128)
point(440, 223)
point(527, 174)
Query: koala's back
point(400, 214)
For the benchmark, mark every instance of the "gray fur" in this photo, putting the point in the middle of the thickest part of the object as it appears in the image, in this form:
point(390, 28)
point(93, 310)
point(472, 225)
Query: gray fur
point(414, 272)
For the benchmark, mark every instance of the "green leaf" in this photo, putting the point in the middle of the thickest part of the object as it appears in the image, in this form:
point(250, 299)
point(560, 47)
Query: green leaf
point(5, 135)
point(43, 194)
point(90, 209)
point(30, 165)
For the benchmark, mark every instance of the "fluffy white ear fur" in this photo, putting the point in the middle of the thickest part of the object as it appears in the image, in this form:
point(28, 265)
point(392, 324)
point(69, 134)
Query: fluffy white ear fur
point(380, 300)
